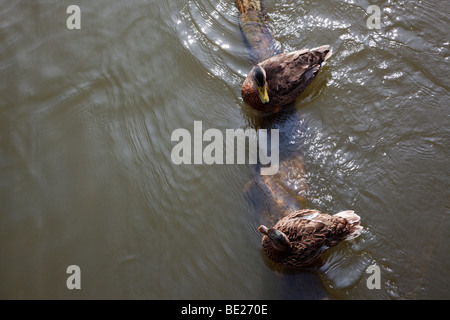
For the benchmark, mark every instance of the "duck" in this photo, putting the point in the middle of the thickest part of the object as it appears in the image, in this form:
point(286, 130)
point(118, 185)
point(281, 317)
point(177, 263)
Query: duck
point(279, 80)
point(301, 237)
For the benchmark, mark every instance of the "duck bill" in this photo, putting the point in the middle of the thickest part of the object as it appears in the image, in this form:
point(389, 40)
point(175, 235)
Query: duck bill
point(262, 91)
point(263, 230)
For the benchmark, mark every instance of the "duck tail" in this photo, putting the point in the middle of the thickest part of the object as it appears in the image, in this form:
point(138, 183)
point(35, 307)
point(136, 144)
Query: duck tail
point(324, 50)
point(328, 55)
point(353, 219)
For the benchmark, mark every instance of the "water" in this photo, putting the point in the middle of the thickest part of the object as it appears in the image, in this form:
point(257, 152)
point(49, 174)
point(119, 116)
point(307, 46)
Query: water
point(86, 118)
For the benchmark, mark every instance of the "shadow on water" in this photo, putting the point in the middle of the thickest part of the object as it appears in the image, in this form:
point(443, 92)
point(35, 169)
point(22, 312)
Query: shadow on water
point(291, 284)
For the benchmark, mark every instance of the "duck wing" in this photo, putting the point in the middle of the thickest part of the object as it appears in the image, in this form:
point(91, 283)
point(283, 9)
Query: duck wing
point(303, 224)
point(309, 237)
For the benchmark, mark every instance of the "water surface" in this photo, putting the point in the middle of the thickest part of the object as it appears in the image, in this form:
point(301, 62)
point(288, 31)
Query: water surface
point(86, 118)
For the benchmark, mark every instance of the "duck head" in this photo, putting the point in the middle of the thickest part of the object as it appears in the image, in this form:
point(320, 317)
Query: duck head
point(277, 239)
point(259, 78)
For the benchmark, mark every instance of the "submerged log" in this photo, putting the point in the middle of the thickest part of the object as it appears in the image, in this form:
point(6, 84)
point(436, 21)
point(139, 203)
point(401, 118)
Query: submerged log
point(257, 33)
point(284, 191)
point(280, 194)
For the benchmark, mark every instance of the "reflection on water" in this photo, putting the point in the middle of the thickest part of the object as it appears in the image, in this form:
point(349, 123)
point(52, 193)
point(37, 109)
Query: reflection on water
point(86, 176)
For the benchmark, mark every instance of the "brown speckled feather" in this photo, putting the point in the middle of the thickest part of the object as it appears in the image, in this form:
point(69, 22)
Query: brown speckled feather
point(311, 233)
point(287, 75)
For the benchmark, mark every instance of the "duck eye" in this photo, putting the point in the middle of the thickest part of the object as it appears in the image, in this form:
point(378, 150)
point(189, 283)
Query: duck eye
point(276, 234)
point(259, 76)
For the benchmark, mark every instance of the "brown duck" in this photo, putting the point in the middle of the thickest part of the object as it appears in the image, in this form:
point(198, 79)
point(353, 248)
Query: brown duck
point(279, 80)
point(301, 237)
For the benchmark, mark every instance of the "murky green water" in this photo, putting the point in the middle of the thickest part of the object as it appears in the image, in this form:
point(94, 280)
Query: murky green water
point(86, 176)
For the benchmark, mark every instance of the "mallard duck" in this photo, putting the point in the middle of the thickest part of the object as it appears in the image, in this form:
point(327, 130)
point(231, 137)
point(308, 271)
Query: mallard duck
point(301, 237)
point(279, 80)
